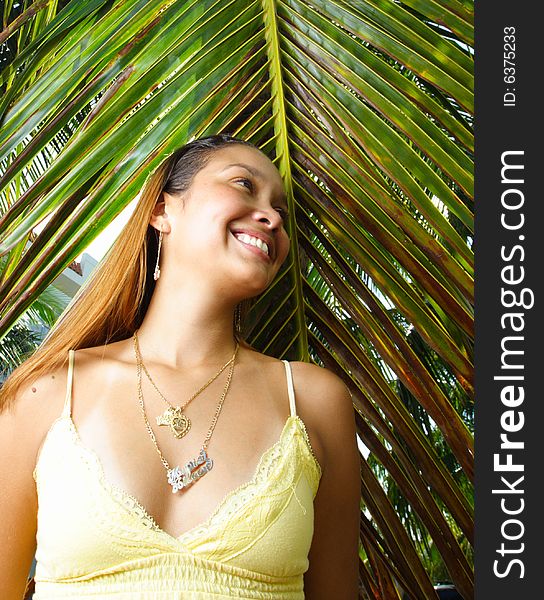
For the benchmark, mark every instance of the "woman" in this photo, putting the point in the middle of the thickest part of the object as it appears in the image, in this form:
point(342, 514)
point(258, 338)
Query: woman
point(164, 458)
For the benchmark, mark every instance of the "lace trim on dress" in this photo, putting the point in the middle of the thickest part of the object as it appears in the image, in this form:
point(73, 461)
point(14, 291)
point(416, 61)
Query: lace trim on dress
point(229, 505)
point(234, 500)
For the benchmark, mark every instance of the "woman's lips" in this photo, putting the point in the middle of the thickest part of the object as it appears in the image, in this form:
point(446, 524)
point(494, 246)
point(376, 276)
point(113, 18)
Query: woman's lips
point(256, 250)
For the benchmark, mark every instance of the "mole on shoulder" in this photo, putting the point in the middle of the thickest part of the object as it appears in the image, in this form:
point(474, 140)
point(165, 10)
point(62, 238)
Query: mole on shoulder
point(34, 389)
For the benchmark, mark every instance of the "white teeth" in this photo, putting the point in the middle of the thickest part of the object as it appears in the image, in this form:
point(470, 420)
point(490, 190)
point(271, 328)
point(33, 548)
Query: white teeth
point(248, 239)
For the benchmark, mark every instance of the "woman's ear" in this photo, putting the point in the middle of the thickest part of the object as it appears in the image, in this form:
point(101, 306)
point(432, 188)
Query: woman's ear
point(159, 217)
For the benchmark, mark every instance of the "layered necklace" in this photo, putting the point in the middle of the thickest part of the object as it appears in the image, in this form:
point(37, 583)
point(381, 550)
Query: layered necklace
point(182, 477)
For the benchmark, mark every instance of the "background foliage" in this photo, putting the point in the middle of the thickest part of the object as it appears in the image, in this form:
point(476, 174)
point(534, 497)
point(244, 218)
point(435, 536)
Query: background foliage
point(366, 109)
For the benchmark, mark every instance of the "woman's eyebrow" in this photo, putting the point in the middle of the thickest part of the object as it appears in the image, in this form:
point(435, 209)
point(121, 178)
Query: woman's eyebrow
point(253, 171)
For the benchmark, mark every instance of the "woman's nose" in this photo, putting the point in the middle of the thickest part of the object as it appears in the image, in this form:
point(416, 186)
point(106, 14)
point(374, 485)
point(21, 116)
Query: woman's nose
point(269, 217)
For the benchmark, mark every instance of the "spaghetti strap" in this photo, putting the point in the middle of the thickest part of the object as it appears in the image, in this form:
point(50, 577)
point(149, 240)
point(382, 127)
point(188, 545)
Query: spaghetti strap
point(290, 387)
point(67, 411)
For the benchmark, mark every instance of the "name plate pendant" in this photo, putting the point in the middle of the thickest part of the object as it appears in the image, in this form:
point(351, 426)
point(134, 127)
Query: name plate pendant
point(182, 477)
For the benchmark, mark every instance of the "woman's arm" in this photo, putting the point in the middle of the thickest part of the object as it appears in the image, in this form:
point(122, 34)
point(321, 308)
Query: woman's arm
point(23, 426)
point(334, 561)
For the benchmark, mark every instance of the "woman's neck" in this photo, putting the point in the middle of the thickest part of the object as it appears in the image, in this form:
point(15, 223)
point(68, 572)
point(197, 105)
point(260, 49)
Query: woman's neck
point(187, 330)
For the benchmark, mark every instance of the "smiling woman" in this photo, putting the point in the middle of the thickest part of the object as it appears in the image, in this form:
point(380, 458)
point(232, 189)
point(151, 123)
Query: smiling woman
point(148, 450)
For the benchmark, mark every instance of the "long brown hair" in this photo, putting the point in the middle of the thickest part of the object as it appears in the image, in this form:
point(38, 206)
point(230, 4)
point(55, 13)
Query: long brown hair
point(111, 305)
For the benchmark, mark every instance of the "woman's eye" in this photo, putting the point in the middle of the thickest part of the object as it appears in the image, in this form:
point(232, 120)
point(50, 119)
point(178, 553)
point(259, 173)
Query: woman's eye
point(283, 213)
point(246, 182)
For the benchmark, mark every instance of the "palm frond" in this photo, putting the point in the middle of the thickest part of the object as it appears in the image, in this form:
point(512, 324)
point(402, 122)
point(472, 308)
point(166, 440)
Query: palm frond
point(366, 109)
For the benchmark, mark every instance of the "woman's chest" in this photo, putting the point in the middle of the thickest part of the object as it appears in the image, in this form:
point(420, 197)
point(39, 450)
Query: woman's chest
point(84, 519)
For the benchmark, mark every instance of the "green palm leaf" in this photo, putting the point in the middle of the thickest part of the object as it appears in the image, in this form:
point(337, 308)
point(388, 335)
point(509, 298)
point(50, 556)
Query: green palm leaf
point(366, 109)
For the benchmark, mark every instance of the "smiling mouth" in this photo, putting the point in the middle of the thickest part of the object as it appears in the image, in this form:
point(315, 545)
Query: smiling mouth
point(253, 243)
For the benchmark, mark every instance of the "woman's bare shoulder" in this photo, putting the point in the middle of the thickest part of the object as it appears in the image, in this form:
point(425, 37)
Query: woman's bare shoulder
point(39, 400)
point(320, 387)
point(316, 389)
point(39, 396)
point(27, 418)
point(324, 403)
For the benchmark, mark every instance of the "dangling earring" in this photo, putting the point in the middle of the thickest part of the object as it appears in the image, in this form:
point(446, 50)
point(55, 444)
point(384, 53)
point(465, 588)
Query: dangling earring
point(238, 319)
point(157, 272)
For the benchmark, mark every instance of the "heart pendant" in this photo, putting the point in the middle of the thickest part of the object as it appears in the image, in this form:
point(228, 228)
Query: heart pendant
point(174, 418)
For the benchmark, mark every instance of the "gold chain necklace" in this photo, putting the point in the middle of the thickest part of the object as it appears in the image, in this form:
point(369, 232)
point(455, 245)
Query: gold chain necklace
point(173, 416)
point(194, 469)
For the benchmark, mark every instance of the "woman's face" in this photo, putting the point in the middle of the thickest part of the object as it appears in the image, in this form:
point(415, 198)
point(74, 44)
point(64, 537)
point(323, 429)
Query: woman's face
point(228, 228)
